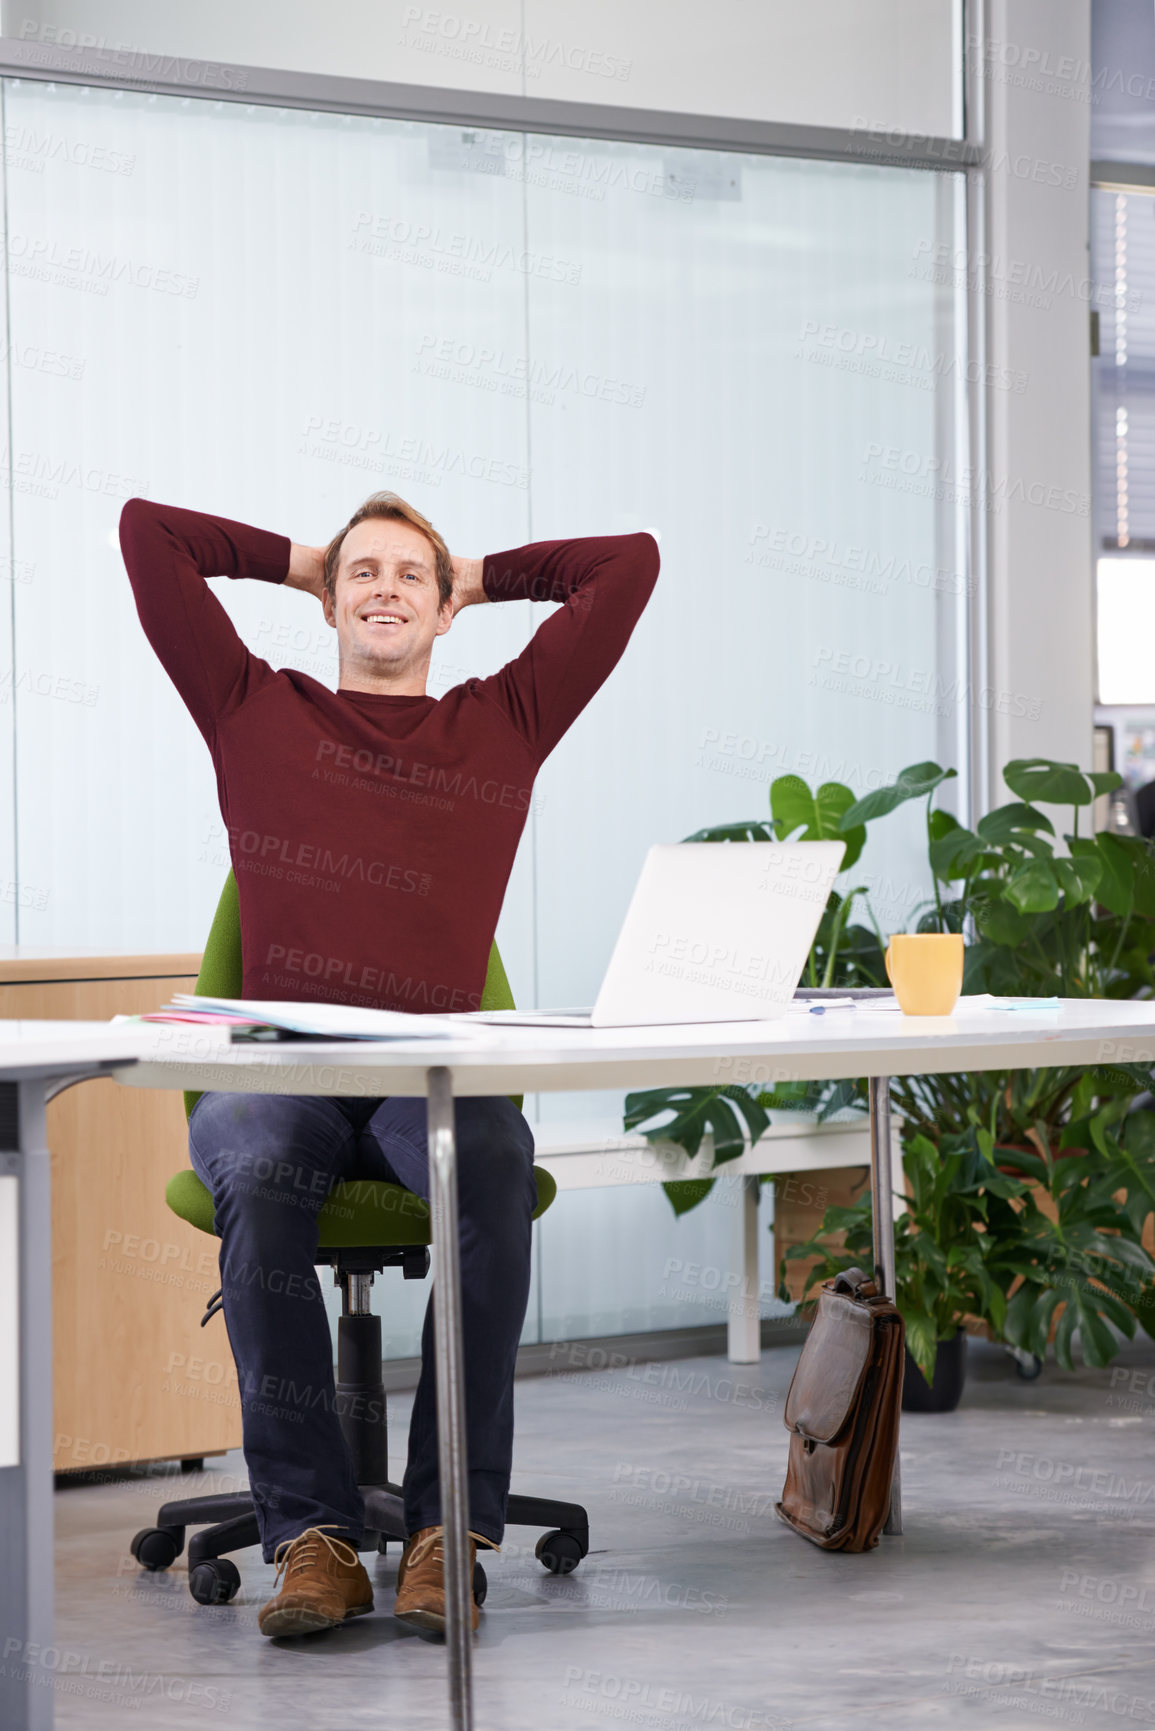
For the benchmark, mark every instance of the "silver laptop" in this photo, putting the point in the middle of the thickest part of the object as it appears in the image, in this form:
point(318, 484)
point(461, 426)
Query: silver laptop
point(715, 932)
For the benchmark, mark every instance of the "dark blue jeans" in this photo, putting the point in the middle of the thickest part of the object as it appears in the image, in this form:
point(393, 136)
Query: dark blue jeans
point(269, 1161)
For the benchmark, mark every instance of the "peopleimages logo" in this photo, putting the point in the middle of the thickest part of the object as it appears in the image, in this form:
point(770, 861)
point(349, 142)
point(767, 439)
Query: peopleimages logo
point(423, 775)
point(676, 956)
point(940, 477)
point(334, 976)
point(451, 250)
point(319, 867)
point(99, 269)
point(482, 42)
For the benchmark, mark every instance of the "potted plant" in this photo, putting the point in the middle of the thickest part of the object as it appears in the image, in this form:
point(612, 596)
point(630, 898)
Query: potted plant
point(1052, 1167)
point(1019, 1241)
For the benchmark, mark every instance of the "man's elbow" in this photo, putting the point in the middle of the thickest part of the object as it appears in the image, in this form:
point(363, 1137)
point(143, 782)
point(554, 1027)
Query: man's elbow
point(647, 555)
point(140, 521)
point(134, 513)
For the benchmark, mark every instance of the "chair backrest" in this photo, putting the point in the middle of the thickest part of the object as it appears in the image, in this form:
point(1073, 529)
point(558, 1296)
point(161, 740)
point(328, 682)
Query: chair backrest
point(221, 974)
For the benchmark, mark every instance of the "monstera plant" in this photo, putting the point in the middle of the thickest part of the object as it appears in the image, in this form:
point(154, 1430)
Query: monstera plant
point(1053, 1163)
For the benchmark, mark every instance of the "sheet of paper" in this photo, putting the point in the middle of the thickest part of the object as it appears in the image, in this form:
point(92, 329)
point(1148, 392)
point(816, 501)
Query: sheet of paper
point(989, 1001)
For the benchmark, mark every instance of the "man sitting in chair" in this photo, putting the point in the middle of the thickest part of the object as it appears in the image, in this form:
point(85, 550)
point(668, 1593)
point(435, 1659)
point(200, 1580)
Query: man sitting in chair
point(372, 830)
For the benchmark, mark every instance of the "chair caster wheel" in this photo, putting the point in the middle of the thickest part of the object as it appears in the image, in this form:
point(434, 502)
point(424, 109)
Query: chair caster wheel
point(559, 1552)
point(214, 1582)
point(480, 1584)
point(157, 1547)
point(1028, 1365)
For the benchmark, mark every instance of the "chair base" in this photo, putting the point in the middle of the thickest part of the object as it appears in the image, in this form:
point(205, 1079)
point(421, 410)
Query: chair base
point(229, 1523)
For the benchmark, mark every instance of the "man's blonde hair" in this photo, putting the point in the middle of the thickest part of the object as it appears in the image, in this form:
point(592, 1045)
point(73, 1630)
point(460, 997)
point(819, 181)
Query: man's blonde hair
point(391, 505)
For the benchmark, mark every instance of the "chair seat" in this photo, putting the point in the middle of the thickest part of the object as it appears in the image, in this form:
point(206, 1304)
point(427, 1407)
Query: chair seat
point(360, 1214)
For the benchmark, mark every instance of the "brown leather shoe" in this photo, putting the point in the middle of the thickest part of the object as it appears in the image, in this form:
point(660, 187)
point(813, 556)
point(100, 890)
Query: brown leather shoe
point(324, 1585)
point(421, 1580)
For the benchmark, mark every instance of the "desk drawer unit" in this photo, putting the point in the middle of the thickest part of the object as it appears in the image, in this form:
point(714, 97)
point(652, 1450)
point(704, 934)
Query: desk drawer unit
point(134, 1376)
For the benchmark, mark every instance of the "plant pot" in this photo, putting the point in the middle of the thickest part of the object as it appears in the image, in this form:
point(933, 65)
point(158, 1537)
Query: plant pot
point(950, 1374)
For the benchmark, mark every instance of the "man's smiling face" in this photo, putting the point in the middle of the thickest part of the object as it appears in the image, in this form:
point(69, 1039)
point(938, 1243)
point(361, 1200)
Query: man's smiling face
point(386, 606)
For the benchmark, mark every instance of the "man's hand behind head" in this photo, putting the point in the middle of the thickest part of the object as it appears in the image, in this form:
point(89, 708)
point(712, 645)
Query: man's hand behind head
point(306, 569)
point(467, 585)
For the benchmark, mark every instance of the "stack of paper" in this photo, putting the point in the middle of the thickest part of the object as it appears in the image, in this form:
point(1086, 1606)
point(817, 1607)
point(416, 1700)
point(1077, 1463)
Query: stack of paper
point(321, 1021)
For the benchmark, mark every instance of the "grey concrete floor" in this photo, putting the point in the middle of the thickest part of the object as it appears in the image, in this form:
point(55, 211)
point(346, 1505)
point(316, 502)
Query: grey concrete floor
point(1023, 1590)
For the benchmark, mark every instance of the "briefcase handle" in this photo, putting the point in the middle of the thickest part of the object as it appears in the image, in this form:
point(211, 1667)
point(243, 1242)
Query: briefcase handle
point(854, 1284)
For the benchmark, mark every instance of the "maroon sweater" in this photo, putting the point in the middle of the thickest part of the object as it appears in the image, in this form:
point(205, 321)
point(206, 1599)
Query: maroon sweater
point(373, 836)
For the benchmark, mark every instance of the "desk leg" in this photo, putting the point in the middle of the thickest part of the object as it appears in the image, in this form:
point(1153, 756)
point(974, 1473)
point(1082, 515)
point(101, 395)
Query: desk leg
point(743, 1326)
point(451, 1447)
point(882, 1199)
point(26, 1515)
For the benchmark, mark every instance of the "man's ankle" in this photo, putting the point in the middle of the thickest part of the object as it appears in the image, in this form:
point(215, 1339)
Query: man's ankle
point(344, 1535)
point(420, 1526)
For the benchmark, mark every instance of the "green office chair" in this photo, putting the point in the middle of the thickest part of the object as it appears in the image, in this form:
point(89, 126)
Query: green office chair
point(365, 1227)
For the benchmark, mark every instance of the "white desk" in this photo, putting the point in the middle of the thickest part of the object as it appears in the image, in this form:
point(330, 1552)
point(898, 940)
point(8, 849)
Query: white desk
point(35, 1058)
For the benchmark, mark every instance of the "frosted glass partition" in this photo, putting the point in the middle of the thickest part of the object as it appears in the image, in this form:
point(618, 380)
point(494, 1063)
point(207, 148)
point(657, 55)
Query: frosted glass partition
point(271, 313)
point(249, 294)
point(767, 373)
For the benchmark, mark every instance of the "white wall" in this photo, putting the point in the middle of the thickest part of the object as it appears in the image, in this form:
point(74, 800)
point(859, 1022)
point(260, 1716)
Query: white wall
point(828, 63)
point(1040, 436)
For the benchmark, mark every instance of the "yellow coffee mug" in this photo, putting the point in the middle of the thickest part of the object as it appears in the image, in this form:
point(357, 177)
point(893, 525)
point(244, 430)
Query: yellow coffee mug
point(926, 971)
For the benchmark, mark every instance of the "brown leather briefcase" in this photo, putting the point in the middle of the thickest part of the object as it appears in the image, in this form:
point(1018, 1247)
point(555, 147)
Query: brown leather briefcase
point(842, 1415)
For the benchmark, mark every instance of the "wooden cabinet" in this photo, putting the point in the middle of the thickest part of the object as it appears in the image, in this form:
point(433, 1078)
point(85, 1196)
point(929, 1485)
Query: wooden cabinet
point(135, 1377)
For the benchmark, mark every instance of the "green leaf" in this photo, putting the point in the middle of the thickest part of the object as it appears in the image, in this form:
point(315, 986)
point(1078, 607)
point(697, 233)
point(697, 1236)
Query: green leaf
point(839, 1217)
point(1026, 842)
point(950, 854)
point(719, 1112)
point(1116, 886)
point(941, 822)
point(1114, 1310)
point(687, 1193)
point(1032, 888)
point(794, 1096)
point(921, 1339)
point(1138, 1135)
point(1133, 862)
point(1144, 878)
point(1017, 1324)
point(1007, 821)
point(842, 1094)
point(1098, 1344)
point(1042, 1313)
point(1024, 1160)
point(755, 829)
point(914, 782)
point(1104, 780)
point(817, 815)
point(1064, 1335)
point(1077, 878)
point(1041, 778)
point(1001, 922)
